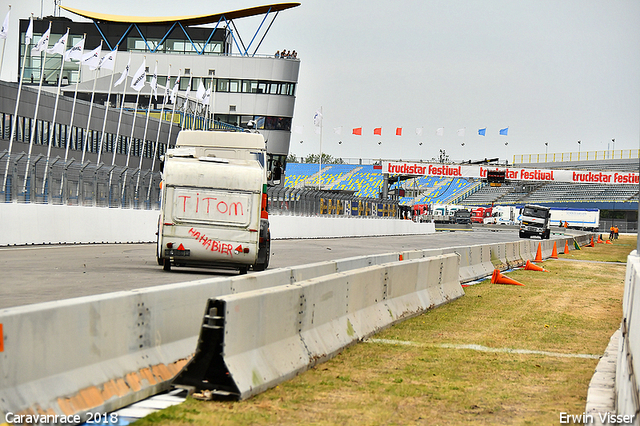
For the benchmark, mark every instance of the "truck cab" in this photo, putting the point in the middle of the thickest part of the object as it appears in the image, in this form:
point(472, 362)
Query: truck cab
point(462, 217)
point(535, 221)
point(214, 207)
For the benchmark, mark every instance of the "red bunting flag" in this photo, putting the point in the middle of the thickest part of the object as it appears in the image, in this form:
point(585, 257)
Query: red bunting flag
point(399, 131)
point(357, 131)
point(377, 131)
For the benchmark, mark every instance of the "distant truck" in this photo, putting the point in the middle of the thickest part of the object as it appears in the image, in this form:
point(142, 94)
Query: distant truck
point(214, 202)
point(585, 219)
point(441, 213)
point(503, 215)
point(480, 213)
point(462, 217)
point(535, 221)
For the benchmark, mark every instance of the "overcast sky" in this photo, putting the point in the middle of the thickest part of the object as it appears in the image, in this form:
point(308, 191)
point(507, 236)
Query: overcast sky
point(552, 71)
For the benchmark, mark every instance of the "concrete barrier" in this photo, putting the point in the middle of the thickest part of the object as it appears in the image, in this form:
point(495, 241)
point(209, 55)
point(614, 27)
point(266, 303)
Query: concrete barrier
point(627, 382)
point(252, 341)
point(100, 353)
point(53, 224)
point(499, 256)
point(475, 261)
point(332, 227)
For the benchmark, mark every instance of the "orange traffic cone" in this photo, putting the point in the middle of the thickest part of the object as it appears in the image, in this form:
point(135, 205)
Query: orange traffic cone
point(533, 267)
point(539, 253)
point(608, 242)
point(600, 239)
point(554, 252)
point(566, 247)
point(498, 278)
point(591, 244)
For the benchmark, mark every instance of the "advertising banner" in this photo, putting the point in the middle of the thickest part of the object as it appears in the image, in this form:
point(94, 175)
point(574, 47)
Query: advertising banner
point(511, 173)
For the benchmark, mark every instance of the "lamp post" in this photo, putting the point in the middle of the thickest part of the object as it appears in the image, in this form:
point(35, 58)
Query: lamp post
point(546, 150)
point(579, 143)
point(613, 148)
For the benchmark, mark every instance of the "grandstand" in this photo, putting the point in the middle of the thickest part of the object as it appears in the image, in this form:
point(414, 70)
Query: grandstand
point(561, 194)
point(365, 181)
point(619, 202)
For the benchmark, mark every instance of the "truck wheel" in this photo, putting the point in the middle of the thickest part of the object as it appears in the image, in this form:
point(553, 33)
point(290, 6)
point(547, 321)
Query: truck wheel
point(265, 253)
point(547, 234)
point(243, 270)
point(522, 234)
point(166, 265)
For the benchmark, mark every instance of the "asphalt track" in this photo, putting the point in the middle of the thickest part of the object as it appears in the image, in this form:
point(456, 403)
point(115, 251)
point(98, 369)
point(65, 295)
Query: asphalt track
point(35, 274)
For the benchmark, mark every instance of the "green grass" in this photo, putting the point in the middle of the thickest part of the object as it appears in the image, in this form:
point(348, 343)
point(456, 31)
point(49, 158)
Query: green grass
point(574, 309)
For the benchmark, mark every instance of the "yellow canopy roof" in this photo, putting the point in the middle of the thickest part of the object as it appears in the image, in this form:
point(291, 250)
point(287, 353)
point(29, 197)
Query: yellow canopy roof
point(185, 20)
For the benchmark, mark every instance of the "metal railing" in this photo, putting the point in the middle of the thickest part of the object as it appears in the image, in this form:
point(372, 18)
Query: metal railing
point(621, 154)
point(72, 183)
point(310, 202)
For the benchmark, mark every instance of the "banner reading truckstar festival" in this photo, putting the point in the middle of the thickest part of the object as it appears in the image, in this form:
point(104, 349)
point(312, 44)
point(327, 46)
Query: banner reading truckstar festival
point(511, 173)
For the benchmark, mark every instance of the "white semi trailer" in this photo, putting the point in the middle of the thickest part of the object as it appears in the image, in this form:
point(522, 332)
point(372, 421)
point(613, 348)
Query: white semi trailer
point(587, 219)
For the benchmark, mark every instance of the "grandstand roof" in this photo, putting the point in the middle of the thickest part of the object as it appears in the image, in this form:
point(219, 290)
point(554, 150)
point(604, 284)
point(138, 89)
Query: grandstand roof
point(185, 20)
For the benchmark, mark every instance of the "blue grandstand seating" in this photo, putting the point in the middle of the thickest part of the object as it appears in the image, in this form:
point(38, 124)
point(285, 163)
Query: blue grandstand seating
point(365, 181)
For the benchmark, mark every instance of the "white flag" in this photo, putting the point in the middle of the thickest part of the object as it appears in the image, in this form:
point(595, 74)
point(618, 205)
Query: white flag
point(337, 130)
point(92, 59)
point(29, 35)
point(5, 26)
point(139, 78)
point(317, 119)
point(43, 43)
point(186, 95)
point(154, 82)
point(207, 96)
point(201, 92)
point(60, 45)
point(419, 131)
point(461, 132)
point(298, 129)
point(75, 53)
point(166, 86)
point(124, 74)
point(108, 60)
point(440, 131)
point(174, 91)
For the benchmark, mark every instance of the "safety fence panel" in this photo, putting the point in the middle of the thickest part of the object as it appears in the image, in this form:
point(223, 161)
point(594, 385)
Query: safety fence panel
point(316, 319)
point(34, 180)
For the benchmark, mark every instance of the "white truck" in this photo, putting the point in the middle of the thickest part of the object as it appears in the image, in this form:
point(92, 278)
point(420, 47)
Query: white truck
point(214, 202)
point(585, 219)
point(503, 215)
point(534, 221)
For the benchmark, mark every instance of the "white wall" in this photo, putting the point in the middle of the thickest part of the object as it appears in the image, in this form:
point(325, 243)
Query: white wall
point(22, 224)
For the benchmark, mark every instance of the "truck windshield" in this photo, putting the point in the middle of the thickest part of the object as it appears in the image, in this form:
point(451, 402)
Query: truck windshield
point(533, 212)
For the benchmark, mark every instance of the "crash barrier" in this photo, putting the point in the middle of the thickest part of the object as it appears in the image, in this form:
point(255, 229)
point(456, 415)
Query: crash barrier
point(100, 353)
point(627, 382)
point(58, 224)
point(252, 341)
